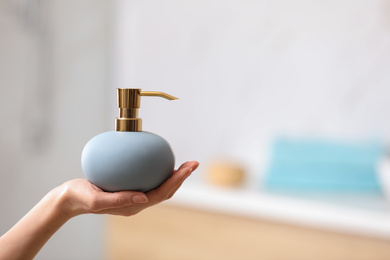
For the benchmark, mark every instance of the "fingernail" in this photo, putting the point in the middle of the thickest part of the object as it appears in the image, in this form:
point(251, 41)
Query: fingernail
point(139, 199)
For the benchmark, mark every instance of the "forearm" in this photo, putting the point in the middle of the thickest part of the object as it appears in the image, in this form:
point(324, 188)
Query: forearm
point(28, 236)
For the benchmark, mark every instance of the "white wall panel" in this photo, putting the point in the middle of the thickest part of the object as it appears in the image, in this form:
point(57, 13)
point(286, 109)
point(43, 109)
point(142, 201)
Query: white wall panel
point(246, 71)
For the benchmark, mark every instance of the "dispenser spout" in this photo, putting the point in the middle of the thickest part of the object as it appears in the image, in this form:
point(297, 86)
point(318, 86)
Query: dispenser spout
point(129, 101)
point(158, 94)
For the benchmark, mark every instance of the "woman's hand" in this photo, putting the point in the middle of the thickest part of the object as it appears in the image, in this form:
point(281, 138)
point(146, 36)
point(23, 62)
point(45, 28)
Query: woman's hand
point(26, 238)
point(79, 196)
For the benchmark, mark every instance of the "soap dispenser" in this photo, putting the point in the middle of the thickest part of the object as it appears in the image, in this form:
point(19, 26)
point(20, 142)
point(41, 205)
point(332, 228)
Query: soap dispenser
point(128, 158)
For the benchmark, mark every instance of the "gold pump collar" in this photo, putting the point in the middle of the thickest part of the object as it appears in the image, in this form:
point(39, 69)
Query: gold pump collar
point(129, 101)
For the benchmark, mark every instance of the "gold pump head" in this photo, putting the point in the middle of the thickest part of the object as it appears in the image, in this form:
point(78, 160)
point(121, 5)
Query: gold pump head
point(129, 101)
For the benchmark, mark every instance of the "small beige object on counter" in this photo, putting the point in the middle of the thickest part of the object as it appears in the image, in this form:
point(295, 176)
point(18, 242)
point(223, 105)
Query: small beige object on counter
point(225, 173)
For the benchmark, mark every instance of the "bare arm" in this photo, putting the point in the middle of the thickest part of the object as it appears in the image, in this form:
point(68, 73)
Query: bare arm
point(28, 236)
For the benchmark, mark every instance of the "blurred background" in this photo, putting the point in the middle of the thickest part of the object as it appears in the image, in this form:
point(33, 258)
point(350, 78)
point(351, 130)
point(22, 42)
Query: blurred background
point(284, 103)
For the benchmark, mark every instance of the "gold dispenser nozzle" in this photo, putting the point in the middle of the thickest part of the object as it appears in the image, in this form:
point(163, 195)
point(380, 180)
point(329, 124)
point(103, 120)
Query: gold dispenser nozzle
point(129, 101)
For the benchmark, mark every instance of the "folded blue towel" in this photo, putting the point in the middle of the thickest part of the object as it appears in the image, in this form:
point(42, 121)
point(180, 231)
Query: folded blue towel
point(320, 165)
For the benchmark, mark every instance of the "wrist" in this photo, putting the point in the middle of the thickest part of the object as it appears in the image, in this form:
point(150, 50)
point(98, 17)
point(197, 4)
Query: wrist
point(63, 196)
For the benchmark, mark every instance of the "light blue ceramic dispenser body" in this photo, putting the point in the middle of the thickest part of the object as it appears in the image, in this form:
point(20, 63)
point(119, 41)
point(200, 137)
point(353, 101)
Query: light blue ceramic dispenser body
point(127, 160)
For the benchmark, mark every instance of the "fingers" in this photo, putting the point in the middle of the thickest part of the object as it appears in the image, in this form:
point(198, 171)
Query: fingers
point(106, 200)
point(173, 184)
point(193, 166)
point(169, 187)
point(190, 164)
point(186, 174)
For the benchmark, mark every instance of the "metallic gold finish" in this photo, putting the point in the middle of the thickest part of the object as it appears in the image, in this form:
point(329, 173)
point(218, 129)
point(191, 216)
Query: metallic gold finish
point(128, 113)
point(158, 94)
point(129, 98)
point(128, 124)
point(129, 101)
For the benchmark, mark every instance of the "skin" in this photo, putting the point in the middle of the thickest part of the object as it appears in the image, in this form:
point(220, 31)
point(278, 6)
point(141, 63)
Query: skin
point(76, 197)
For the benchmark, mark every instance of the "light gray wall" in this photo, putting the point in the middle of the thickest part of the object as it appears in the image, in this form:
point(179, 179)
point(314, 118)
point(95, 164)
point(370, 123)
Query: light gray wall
point(53, 86)
point(247, 71)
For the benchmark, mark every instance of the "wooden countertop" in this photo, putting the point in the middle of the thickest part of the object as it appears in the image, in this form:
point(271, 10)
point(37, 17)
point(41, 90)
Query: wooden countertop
point(167, 232)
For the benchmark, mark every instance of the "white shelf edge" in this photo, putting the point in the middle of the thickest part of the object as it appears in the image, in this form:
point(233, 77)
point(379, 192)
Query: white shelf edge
point(255, 204)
